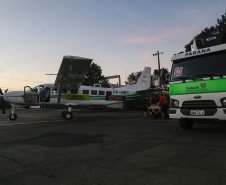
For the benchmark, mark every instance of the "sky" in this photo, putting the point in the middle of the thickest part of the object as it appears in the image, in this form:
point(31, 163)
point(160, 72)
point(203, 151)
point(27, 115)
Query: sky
point(120, 36)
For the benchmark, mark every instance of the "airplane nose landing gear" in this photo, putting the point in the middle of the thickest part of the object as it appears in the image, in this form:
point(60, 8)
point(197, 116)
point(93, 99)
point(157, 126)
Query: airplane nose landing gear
point(67, 114)
point(13, 116)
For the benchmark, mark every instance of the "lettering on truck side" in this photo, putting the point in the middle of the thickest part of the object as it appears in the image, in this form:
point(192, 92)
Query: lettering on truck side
point(193, 53)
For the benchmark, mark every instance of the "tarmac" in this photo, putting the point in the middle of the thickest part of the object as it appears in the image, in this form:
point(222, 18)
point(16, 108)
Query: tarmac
point(108, 148)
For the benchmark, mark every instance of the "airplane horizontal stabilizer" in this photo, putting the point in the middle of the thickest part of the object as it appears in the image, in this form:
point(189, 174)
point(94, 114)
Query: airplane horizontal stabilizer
point(143, 83)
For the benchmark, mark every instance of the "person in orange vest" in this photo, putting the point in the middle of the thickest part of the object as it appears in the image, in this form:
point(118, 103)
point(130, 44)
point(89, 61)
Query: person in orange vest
point(164, 103)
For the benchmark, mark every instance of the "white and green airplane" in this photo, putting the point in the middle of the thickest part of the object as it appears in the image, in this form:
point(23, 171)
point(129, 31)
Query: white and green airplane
point(68, 90)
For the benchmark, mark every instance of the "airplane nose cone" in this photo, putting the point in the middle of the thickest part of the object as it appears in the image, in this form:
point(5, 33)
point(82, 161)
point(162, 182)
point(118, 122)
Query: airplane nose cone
point(5, 95)
point(14, 96)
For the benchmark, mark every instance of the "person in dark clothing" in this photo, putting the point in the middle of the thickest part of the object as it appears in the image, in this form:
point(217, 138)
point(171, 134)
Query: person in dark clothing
point(151, 101)
point(154, 99)
point(146, 105)
point(164, 103)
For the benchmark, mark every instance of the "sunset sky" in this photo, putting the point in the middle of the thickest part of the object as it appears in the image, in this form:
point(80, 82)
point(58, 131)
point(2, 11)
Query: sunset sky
point(119, 35)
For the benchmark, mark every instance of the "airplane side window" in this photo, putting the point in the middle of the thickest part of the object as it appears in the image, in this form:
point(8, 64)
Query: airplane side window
point(54, 91)
point(64, 91)
point(74, 91)
point(108, 93)
point(85, 92)
point(93, 92)
point(101, 93)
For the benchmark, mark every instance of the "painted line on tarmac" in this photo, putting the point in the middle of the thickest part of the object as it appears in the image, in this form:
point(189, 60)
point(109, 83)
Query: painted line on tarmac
point(11, 124)
point(46, 117)
point(48, 126)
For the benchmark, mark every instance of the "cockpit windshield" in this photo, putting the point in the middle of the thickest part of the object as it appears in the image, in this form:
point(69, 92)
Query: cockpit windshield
point(36, 89)
point(210, 65)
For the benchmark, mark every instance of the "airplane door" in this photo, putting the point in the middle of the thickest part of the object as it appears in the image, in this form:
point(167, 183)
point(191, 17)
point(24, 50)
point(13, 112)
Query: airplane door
point(45, 95)
point(29, 95)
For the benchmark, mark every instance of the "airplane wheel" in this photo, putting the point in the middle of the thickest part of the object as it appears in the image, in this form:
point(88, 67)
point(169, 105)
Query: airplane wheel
point(63, 114)
point(12, 117)
point(68, 115)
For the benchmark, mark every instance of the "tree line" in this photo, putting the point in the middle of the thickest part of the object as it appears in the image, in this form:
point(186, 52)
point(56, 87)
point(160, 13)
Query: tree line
point(219, 28)
point(94, 76)
point(134, 76)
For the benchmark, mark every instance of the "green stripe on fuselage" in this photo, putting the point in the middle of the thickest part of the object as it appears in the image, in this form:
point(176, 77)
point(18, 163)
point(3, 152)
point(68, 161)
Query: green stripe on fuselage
point(128, 97)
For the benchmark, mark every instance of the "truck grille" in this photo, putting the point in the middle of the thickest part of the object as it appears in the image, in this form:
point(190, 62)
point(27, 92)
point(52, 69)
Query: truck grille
point(209, 106)
point(201, 104)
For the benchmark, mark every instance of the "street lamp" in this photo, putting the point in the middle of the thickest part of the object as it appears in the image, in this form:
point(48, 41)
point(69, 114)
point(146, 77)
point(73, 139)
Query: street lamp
point(158, 53)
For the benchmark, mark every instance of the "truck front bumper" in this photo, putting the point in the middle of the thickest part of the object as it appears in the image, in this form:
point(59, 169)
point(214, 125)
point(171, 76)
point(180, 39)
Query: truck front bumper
point(216, 114)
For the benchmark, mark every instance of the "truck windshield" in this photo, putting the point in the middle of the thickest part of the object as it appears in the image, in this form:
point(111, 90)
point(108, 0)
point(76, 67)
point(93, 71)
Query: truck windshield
point(210, 65)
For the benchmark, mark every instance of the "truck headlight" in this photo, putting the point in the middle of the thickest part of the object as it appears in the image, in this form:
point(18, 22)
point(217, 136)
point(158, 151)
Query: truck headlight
point(174, 103)
point(223, 102)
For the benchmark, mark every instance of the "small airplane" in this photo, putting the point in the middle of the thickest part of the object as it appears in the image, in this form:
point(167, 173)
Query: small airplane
point(68, 90)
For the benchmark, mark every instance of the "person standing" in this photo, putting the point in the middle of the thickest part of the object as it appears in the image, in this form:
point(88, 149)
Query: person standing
point(164, 103)
point(154, 99)
point(146, 105)
point(151, 100)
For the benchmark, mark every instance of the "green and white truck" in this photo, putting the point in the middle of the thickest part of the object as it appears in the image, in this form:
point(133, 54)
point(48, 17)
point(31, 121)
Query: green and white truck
point(198, 83)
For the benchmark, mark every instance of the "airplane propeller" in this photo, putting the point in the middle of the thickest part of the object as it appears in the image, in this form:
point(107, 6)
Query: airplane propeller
point(2, 104)
point(1, 93)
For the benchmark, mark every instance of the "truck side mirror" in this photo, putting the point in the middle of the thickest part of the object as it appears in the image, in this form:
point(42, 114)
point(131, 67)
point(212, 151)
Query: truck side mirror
point(224, 38)
point(164, 75)
point(167, 76)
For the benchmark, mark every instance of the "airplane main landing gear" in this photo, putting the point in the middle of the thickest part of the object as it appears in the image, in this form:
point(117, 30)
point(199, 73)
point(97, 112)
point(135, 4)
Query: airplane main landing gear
point(67, 114)
point(13, 116)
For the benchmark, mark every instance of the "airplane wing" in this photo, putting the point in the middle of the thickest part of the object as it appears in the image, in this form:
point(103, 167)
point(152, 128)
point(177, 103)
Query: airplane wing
point(71, 74)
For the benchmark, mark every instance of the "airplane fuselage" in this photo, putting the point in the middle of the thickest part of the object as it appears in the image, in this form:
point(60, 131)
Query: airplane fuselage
point(85, 95)
point(68, 90)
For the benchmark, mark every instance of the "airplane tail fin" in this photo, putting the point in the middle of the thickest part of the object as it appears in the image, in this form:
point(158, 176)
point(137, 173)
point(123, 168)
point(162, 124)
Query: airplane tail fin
point(144, 81)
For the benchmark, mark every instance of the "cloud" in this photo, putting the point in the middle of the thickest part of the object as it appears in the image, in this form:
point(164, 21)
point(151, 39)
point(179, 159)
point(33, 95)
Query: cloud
point(146, 55)
point(163, 36)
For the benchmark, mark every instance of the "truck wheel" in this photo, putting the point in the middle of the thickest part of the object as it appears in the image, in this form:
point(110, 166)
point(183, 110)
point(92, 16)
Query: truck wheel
point(186, 124)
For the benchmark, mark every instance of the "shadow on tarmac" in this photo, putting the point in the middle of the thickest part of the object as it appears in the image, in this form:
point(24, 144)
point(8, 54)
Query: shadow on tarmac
point(62, 139)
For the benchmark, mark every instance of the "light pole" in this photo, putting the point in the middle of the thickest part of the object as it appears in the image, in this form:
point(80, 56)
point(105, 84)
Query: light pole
point(158, 53)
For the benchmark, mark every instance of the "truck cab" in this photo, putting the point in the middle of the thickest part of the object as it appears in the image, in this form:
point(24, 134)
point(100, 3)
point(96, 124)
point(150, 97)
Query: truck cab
point(198, 82)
